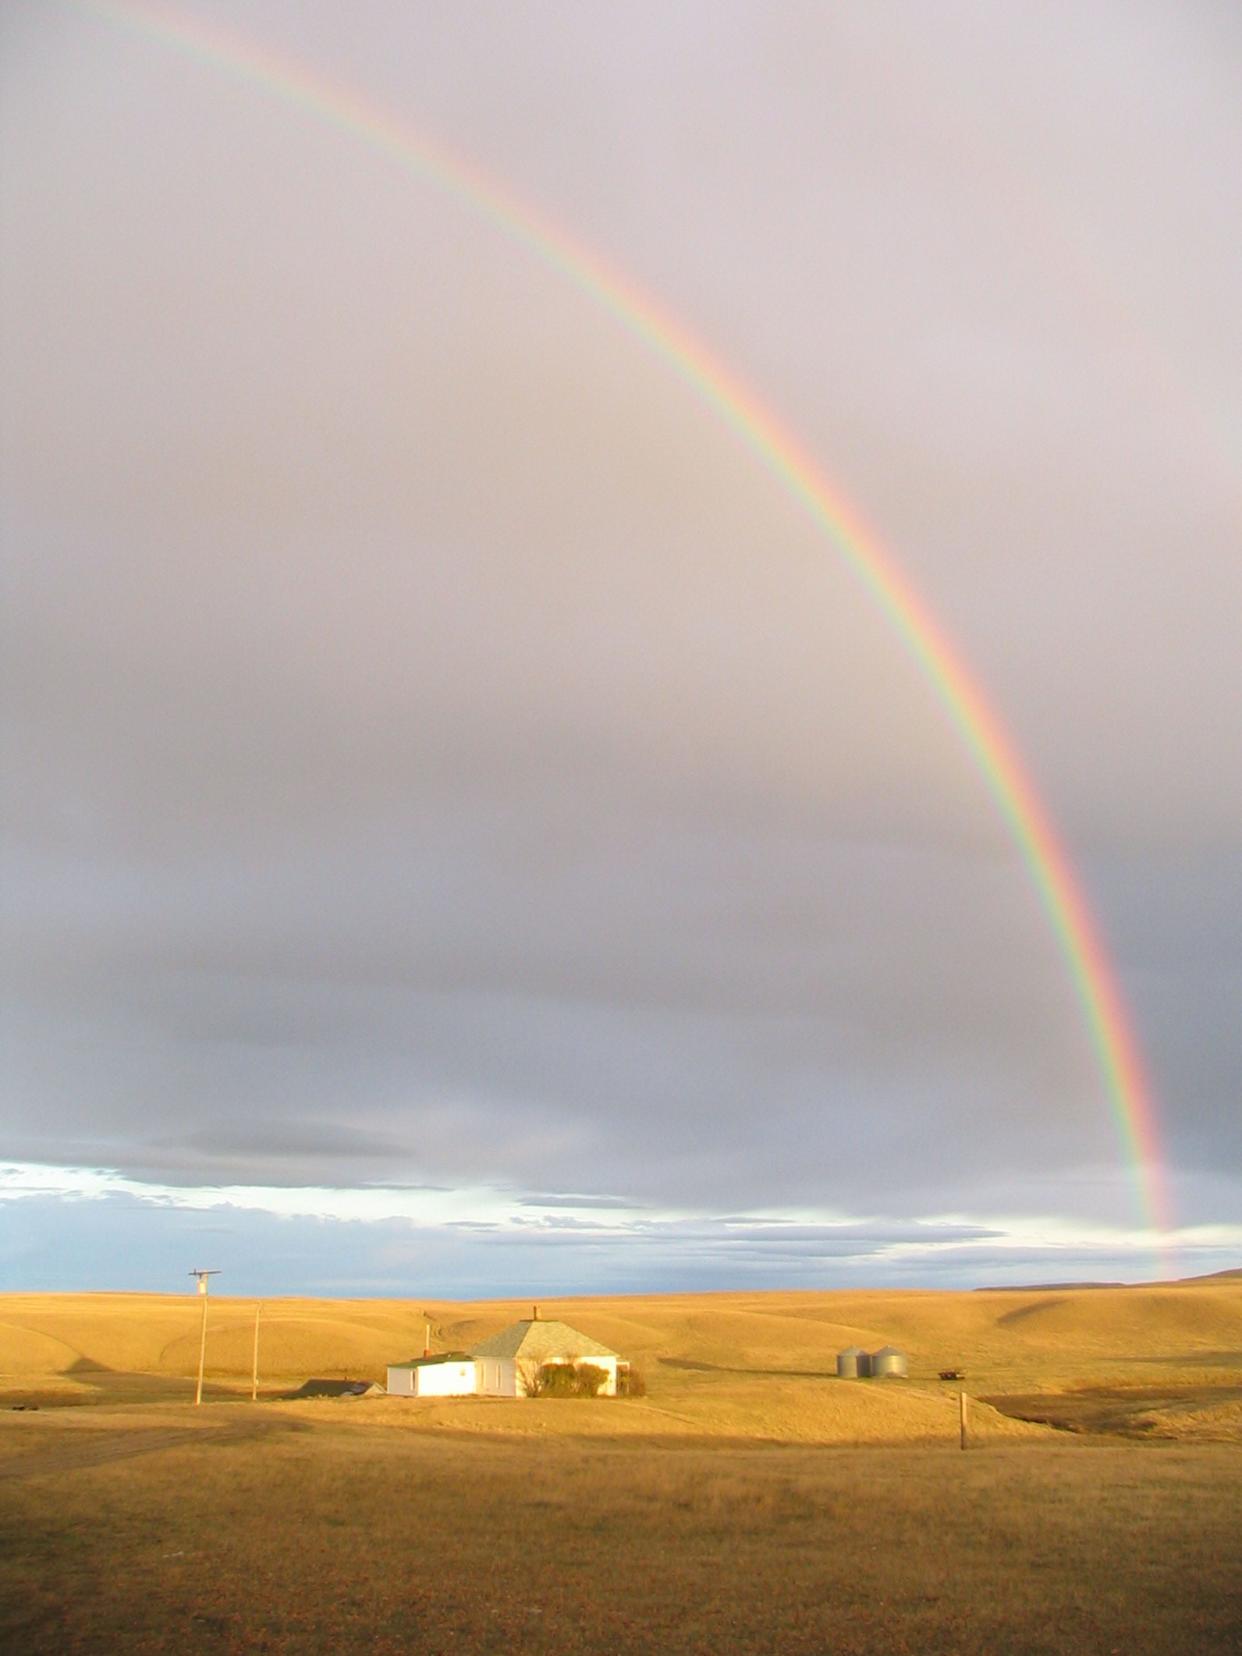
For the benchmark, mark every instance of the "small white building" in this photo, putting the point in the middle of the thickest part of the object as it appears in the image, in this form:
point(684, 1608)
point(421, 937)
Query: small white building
point(507, 1364)
point(453, 1374)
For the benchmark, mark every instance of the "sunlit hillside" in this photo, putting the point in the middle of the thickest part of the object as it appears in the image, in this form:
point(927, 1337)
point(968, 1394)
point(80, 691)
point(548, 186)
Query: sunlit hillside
point(751, 1365)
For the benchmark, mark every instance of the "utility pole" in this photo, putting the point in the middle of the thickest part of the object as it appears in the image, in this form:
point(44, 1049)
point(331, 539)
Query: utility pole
point(202, 1338)
point(254, 1368)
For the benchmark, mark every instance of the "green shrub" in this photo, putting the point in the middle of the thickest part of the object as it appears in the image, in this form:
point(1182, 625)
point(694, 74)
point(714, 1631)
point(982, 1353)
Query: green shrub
point(566, 1380)
point(589, 1379)
point(558, 1380)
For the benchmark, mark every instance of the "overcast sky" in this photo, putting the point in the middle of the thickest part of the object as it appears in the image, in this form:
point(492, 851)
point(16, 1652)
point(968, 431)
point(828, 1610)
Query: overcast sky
point(467, 829)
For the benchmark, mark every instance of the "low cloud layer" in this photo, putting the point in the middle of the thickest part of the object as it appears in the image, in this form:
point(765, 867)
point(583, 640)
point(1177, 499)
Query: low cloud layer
point(441, 755)
point(66, 1240)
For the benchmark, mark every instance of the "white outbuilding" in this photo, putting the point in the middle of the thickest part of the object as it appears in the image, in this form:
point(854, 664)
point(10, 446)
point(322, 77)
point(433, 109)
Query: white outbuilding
point(450, 1374)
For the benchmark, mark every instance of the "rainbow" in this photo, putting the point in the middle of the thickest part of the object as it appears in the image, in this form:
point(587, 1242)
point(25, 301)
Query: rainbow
point(955, 687)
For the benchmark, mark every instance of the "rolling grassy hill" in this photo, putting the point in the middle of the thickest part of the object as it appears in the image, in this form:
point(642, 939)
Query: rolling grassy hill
point(743, 1365)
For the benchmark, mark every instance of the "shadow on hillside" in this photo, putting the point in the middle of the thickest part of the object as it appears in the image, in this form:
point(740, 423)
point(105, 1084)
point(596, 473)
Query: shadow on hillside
point(1196, 1359)
point(121, 1386)
point(130, 1386)
point(97, 1384)
point(694, 1366)
point(1022, 1312)
point(1115, 1411)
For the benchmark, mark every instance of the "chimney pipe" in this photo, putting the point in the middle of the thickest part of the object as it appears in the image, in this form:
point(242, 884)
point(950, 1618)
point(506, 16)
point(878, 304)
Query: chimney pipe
point(427, 1340)
point(535, 1310)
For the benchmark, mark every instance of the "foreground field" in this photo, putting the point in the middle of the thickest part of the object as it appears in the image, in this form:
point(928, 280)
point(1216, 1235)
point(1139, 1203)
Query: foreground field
point(251, 1529)
point(750, 1503)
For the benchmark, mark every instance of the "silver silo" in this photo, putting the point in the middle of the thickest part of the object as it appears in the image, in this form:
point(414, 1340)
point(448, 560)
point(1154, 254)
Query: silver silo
point(853, 1364)
point(889, 1362)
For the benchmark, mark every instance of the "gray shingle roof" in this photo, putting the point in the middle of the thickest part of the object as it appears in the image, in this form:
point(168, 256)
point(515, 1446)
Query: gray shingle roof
point(437, 1357)
point(542, 1342)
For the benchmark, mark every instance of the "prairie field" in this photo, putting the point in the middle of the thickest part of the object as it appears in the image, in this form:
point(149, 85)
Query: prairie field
point(750, 1502)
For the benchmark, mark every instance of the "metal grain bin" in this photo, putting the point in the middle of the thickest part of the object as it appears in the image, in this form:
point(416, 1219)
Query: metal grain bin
point(890, 1362)
point(853, 1364)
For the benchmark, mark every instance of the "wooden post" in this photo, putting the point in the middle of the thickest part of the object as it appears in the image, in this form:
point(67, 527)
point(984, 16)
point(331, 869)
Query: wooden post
point(254, 1367)
point(202, 1342)
point(961, 1411)
point(202, 1279)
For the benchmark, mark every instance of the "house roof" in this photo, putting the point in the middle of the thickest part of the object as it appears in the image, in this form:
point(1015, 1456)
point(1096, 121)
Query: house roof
point(436, 1357)
point(542, 1342)
point(335, 1388)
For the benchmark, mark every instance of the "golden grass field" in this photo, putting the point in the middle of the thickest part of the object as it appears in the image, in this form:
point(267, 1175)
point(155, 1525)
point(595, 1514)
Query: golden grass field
point(750, 1502)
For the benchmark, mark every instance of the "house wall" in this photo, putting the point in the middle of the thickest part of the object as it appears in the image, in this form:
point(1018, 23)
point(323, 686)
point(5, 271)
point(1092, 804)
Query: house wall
point(609, 1366)
point(446, 1380)
point(434, 1380)
point(497, 1377)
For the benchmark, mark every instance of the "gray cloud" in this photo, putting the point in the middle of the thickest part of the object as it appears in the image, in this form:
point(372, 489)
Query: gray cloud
point(438, 753)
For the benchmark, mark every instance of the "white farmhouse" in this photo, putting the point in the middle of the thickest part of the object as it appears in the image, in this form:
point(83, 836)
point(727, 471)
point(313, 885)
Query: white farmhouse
point(512, 1358)
point(506, 1364)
